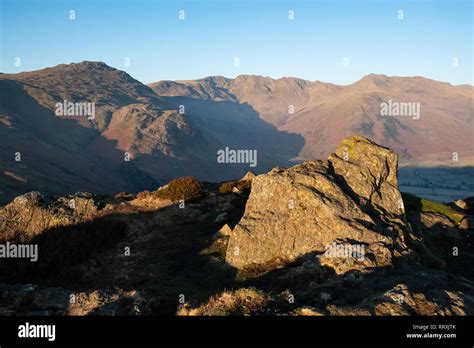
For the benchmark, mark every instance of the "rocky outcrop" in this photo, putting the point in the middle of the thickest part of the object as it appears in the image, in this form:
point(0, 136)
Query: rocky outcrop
point(401, 300)
point(31, 213)
point(346, 208)
point(466, 204)
point(331, 235)
point(467, 223)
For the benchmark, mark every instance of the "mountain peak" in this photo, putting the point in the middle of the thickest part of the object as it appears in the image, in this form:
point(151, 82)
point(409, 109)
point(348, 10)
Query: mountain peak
point(377, 79)
point(80, 68)
point(91, 64)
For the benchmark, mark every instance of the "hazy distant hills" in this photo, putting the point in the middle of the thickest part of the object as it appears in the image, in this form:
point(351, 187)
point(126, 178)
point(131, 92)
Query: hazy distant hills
point(324, 113)
point(174, 128)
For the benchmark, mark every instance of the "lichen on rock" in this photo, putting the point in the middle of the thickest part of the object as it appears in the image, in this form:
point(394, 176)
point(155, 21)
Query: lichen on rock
point(352, 199)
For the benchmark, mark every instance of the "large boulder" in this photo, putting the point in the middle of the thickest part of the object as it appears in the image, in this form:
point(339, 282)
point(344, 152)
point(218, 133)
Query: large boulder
point(347, 210)
point(32, 213)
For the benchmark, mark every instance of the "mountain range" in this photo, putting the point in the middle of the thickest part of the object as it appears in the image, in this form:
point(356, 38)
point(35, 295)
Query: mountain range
point(324, 113)
point(142, 135)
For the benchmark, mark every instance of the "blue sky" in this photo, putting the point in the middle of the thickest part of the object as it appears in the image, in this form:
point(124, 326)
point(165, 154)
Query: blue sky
point(313, 45)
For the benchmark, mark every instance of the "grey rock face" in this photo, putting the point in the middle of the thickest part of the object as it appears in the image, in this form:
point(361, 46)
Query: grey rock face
point(347, 209)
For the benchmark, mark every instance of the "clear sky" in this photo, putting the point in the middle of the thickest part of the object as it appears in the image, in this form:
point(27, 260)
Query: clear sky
point(313, 45)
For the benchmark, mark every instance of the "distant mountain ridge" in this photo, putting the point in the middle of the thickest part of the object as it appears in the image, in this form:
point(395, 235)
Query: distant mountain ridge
point(323, 113)
point(173, 128)
point(64, 154)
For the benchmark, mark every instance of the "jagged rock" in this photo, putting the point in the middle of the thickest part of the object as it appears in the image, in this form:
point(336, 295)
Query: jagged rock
point(225, 230)
point(32, 213)
point(401, 300)
point(350, 199)
point(125, 196)
point(248, 177)
point(308, 311)
point(465, 204)
point(29, 198)
point(236, 190)
point(438, 225)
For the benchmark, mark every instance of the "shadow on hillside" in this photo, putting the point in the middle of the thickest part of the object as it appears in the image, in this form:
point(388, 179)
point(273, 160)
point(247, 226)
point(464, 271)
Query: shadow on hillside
point(439, 241)
point(77, 158)
point(166, 259)
point(318, 286)
point(60, 249)
point(239, 126)
point(59, 155)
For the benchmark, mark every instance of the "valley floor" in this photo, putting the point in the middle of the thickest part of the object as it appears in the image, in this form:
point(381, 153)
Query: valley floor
point(443, 184)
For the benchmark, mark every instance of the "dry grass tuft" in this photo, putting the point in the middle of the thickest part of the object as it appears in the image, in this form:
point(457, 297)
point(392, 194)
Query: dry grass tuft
point(245, 301)
point(186, 187)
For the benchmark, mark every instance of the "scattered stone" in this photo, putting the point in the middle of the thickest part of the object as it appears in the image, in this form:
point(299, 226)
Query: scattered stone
point(465, 204)
point(467, 223)
point(308, 311)
point(125, 196)
point(236, 190)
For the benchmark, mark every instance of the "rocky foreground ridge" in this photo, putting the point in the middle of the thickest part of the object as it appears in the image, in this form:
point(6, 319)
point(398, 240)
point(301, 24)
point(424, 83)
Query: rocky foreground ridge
point(332, 237)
